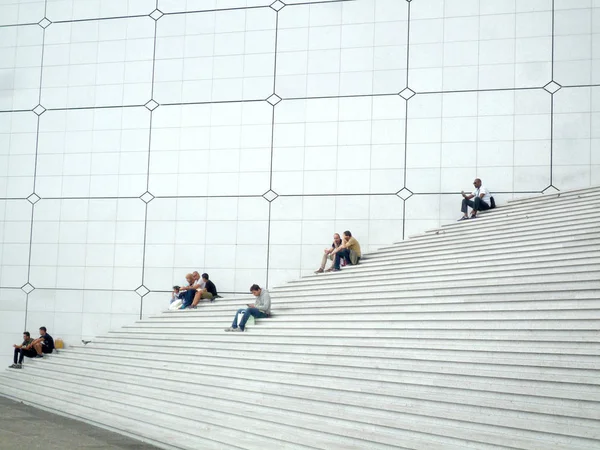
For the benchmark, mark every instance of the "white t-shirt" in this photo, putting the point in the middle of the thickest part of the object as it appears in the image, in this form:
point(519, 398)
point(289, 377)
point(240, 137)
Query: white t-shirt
point(486, 194)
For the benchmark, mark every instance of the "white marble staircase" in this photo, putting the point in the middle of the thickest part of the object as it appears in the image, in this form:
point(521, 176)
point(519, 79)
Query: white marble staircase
point(477, 335)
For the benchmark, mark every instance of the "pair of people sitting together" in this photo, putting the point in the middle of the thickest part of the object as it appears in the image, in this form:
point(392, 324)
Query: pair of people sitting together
point(32, 348)
point(346, 251)
point(198, 288)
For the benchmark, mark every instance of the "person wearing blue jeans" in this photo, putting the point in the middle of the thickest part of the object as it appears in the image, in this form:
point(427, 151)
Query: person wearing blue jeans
point(349, 251)
point(260, 309)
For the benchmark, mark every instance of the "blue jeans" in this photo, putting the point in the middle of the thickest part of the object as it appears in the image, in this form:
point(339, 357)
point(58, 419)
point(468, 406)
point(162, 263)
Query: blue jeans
point(255, 312)
point(188, 298)
point(345, 253)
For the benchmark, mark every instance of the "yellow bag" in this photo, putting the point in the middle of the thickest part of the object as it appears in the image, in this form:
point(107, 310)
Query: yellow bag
point(58, 343)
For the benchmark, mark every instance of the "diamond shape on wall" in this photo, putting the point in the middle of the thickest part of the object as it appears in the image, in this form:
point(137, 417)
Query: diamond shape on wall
point(550, 190)
point(407, 93)
point(142, 290)
point(33, 198)
point(552, 87)
point(39, 110)
point(151, 105)
point(270, 195)
point(156, 14)
point(44, 23)
point(277, 5)
point(27, 288)
point(404, 193)
point(146, 197)
point(274, 99)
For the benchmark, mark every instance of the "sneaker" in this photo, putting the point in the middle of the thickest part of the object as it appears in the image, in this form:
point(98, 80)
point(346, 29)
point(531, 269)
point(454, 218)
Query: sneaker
point(230, 329)
point(238, 329)
point(38, 356)
point(319, 271)
point(474, 217)
point(462, 218)
point(18, 366)
point(12, 366)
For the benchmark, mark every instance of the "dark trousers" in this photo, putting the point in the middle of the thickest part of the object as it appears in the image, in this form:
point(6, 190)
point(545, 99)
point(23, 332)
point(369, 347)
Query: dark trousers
point(345, 253)
point(477, 204)
point(20, 353)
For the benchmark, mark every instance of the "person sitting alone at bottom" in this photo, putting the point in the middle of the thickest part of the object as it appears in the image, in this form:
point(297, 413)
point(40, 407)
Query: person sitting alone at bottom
point(43, 344)
point(25, 349)
point(207, 292)
point(349, 250)
point(260, 309)
point(328, 252)
point(482, 200)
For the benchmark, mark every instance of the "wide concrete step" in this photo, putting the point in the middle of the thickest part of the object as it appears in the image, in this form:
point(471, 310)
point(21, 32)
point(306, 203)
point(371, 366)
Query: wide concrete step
point(532, 272)
point(558, 196)
point(382, 306)
point(490, 248)
point(585, 258)
point(400, 316)
point(214, 425)
point(574, 348)
point(415, 385)
point(263, 333)
point(299, 399)
point(375, 355)
point(385, 370)
point(490, 257)
point(516, 217)
point(573, 291)
point(490, 232)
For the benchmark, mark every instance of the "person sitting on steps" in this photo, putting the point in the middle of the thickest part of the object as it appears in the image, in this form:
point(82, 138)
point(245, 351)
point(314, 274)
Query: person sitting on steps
point(25, 349)
point(260, 309)
point(43, 344)
point(483, 200)
point(188, 291)
point(328, 252)
point(207, 292)
point(349, 251)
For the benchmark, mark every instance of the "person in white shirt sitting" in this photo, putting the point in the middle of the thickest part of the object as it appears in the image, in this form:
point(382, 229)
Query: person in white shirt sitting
point(482, 200)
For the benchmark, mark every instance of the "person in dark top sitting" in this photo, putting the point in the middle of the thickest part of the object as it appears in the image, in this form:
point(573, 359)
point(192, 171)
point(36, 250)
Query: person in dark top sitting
point(43, 344)
point(25, 349)
point(208, 292)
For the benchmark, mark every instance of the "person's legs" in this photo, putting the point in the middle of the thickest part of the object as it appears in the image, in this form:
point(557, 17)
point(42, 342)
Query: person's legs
point(257, 313)
point(479, 205)
point(38, 348)
point(345, 253)
point(188, 298)
point(323, 261)
point(28, 353)
point(16, 355)
point(46, 349)
point(206, 296)
point(465, 206)
point(234, 324)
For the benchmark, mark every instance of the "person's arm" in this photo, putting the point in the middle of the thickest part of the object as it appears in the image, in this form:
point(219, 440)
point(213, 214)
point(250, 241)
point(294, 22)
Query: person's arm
point(28, 346)
point(467, 196)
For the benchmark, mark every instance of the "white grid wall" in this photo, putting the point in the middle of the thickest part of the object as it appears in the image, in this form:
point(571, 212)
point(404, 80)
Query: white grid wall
point(143, 139)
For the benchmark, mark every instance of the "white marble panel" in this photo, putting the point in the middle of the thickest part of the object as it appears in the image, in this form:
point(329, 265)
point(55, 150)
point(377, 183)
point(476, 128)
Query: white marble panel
point(20, 65)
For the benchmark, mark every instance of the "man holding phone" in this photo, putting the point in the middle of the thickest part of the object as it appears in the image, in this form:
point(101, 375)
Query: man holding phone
point(261, 308)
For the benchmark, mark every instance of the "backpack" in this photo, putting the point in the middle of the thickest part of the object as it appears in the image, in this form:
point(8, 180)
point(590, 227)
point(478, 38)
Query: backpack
point(492, 203)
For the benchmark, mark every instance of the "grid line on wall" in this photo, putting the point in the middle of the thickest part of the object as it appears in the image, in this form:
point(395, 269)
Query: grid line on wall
point(278, 100)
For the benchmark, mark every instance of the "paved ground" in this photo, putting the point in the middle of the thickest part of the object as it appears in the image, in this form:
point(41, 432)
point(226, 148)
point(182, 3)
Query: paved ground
point(26, 428)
